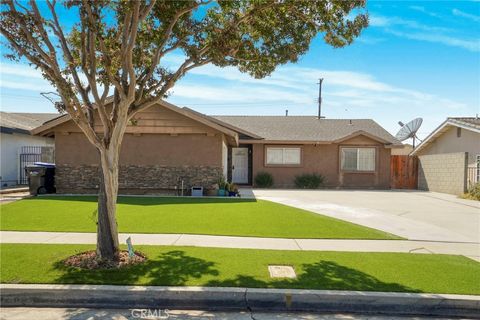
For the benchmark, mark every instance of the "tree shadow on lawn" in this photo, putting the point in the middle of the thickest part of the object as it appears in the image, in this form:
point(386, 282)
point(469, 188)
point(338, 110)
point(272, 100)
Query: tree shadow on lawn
point(176, 268)
point(148, 201)
point(173, 268)
point(322, 275)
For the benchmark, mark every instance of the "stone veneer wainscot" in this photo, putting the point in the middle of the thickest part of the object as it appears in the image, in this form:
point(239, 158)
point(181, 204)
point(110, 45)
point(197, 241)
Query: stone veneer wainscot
point(136, 178)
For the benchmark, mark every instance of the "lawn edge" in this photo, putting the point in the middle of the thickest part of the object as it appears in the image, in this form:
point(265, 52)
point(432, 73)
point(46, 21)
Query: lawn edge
point(211, 234)
point(380, 234)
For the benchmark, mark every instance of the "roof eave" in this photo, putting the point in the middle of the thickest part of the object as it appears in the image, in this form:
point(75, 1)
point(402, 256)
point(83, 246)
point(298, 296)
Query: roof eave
point(9, 130)
point(363, 133)
point(439, 131)
point(47, 126)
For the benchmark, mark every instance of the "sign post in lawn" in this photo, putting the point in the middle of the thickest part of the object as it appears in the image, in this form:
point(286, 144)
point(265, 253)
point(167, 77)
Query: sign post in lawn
point(131, 253)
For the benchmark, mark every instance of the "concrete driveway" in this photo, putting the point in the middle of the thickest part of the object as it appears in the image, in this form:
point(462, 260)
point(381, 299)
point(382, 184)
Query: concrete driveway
point(415, 215)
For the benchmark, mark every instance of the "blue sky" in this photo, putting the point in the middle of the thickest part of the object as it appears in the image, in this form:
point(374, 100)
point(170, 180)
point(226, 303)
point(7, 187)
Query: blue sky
point(417, 59)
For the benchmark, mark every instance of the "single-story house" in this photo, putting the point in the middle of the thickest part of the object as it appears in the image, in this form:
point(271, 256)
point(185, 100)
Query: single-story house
point(19, 148)
point(449, 157)
point(166, 147)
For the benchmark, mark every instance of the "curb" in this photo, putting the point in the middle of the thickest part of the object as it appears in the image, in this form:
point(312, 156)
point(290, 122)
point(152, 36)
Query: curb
point(214, 298)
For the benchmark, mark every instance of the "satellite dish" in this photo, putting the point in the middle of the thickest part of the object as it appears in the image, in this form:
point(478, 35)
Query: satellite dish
point(409, 130)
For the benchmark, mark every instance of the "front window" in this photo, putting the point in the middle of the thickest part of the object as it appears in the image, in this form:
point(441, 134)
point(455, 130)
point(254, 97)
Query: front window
point(358, 159)
point(283, 156)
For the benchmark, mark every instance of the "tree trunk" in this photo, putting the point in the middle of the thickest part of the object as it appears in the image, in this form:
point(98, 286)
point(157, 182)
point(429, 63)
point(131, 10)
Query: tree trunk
point(107, 234)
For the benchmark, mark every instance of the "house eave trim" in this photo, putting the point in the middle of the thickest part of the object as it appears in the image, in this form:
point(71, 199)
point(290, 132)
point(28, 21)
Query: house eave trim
point(439, 131)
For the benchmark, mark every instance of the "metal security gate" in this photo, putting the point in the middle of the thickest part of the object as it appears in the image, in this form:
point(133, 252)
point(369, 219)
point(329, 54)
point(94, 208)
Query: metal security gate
point(403, 172)
point(28, 156)
point(473, 173)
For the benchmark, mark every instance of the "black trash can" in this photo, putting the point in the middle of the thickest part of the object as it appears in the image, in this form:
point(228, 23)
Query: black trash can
point(41, 178)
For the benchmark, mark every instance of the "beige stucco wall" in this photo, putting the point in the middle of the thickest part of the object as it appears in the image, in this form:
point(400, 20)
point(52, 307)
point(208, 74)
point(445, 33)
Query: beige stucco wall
point(445, 172)
point(324, 159)
point(448, 142)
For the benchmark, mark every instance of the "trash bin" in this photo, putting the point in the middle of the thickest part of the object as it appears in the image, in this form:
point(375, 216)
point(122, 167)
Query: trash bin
point(197, 191)
point(41, 178)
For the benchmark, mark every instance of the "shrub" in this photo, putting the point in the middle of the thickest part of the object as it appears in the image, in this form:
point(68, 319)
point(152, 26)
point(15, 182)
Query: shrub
point(263, 180)
point(474, 192)
point(309, 181)
point(222, 183)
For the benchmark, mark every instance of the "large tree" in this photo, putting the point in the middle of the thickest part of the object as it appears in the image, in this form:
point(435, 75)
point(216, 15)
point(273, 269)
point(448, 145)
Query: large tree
point(109, 61)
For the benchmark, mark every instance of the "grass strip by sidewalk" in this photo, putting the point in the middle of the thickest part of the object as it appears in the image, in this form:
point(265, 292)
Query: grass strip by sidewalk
point(193, 266)
point(211, 216)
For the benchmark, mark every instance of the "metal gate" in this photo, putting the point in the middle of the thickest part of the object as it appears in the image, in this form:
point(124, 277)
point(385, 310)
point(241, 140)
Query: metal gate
point(403, 172)
point(28, 156)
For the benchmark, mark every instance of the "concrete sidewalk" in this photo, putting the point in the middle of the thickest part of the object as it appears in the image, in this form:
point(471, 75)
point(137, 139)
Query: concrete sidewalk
point(471, 250)
point(13, 196)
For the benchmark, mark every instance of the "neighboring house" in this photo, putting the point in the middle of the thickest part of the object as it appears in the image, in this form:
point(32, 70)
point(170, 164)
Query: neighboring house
point(19, 147)
point(166, 147)
point(449, 158)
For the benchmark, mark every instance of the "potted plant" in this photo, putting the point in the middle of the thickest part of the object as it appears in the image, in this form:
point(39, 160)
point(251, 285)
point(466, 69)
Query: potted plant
point(221, 186)
point(227, 189)
point(232, 190)
point(213, 190)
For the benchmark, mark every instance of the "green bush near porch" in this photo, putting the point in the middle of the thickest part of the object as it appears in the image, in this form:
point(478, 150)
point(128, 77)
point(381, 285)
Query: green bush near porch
point(263, 180)
point(309, 181)
point(212, 216)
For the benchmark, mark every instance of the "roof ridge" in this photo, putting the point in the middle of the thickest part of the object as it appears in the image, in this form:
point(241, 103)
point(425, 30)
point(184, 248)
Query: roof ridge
point(289, 116)
point(463, 118)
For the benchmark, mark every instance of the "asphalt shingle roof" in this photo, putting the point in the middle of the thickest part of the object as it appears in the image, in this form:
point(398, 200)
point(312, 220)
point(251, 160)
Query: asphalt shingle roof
point(473, 122)
point(24, 121)
point(306, 128)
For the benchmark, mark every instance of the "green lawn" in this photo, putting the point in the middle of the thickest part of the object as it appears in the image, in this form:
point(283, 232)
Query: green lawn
point(182, 266)
point(239, 217)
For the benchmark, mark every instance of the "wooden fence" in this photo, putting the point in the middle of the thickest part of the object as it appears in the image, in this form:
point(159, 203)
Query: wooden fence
point(403, 172)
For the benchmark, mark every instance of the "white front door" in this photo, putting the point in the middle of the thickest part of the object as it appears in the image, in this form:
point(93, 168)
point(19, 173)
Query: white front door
point(240, 165)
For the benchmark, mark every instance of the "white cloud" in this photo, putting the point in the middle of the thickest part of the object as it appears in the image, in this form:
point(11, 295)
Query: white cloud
point(19, 70)
point(378, 21)
point(369, 40)
point(470, 16)
point(22, 77)
point(471, 45)
point(381, 21)
point(413, 30)
point(423, 10)
point(296, 86)
point(25, 85)
point(288, 86)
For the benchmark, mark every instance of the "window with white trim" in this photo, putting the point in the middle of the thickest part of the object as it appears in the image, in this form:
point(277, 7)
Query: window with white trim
point(358, 159)
point(283, 156)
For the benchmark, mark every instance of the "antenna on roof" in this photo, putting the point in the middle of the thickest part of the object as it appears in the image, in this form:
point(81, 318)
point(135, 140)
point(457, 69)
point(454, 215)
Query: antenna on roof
point(409, 130)
point(286, 113)
point(320, 81)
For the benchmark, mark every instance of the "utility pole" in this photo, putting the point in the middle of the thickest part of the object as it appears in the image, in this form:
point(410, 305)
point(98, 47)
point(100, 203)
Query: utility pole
point(320, 81)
